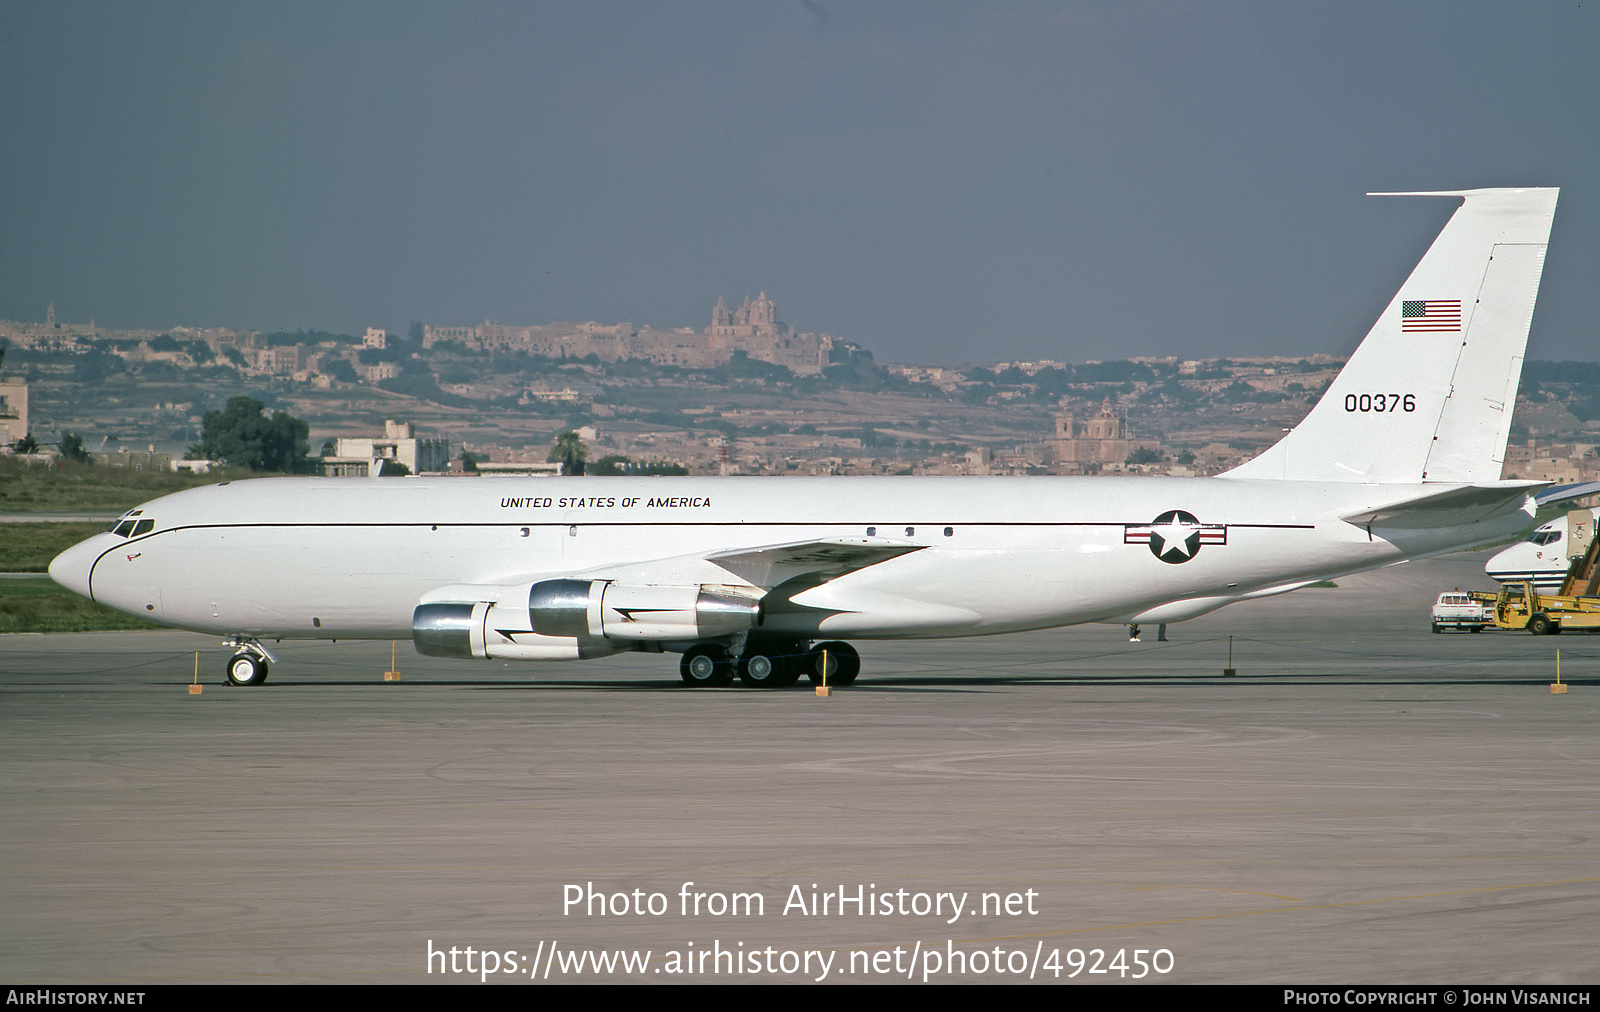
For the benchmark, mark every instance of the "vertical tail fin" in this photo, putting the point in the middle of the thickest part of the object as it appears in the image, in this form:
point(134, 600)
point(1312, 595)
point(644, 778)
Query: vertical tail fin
point(1428, 395)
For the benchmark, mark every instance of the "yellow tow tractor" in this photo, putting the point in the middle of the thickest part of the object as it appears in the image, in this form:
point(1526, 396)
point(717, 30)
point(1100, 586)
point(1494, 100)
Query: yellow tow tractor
point(1519, 606)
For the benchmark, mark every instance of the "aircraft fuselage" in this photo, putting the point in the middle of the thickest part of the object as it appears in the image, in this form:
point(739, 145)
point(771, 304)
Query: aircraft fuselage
point(309, 558)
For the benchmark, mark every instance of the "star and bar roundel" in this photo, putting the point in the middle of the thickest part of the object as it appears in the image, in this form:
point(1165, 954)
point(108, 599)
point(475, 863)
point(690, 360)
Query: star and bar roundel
point(1175, 536)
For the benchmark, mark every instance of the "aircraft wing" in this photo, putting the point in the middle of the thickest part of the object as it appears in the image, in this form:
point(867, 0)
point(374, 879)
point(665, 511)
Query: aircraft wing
point(813, 562)
point(794, 565)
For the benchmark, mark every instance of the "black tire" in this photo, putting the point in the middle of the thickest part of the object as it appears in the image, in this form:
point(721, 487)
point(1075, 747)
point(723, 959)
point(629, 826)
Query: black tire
point(759, 670)
point(842, 659)
point(788, 671)
point(1438, 628)
point(246, 669)
point(1476, 628)
point(705, 666)
point(1540, 625)
point(777, 668)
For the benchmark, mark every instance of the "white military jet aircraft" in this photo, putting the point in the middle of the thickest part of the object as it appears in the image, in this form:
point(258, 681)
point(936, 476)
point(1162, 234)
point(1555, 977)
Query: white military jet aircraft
point(1400, 459)
point(1546, 555)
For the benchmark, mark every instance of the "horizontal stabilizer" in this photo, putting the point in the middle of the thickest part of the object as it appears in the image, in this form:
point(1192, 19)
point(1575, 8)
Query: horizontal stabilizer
point(1557, 494)
point(1450, 508)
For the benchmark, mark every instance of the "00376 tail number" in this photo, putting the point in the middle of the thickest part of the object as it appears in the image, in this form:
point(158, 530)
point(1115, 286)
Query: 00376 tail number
point(1380, 402)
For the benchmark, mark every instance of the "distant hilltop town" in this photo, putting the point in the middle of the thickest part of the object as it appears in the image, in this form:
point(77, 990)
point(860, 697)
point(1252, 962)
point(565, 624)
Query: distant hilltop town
point(753, 329)
point(744, 395)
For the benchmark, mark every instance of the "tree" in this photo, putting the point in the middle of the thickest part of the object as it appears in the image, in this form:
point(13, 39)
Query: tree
point(241, 435)
point(469, 462)
point(71, 447)
point(1145, 455)
point(341, 370)
point(570, 451)
point(610, 464)
point(27, 444)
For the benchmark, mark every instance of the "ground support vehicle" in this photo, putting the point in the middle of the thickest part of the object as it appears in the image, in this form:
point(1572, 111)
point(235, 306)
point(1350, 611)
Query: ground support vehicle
point(1463, 609)
point(1519, 606)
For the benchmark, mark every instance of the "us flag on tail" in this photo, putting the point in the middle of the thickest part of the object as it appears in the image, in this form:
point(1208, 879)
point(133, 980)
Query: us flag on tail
point(1430, 316)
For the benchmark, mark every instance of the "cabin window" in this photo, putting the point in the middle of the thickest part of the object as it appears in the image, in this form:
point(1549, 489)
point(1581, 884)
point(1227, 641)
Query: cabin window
point(911, 532)
point(949, 531)
point(872, 532)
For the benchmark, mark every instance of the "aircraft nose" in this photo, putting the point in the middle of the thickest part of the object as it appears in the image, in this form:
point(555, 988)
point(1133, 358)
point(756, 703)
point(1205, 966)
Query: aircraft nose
point(71, 567)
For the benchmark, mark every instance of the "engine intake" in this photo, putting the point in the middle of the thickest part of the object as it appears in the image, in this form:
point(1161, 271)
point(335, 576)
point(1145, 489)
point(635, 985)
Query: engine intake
point(445, 630)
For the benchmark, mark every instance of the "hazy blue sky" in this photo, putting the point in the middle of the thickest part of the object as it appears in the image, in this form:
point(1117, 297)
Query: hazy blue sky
point(941, 182)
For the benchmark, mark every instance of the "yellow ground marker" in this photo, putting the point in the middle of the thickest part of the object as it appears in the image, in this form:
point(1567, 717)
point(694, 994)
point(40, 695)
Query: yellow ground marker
point(195, 688)
point(392, 675)
point(824, 689)
point(1556, 685)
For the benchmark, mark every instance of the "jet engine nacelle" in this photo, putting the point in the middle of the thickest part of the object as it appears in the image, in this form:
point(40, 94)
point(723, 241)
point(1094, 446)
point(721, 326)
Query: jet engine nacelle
point(555, 620)
point(484, 629)
point(607, 610)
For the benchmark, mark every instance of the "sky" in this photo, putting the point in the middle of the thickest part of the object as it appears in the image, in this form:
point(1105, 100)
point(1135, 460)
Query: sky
point(940, 182)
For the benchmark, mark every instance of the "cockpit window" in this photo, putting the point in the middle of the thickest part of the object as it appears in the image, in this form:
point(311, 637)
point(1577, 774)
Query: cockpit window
point(143, 527)
point(124, 524)
point(1545, 537)
point(132, 527)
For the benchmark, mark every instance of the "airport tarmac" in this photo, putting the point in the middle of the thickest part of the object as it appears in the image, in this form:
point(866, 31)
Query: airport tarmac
point(1365, 802)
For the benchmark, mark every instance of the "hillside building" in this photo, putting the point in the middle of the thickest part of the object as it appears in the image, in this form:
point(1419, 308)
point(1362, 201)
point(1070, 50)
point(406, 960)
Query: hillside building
point(1094, 443)
point(353, 455)
point(752, 330)
point(13, 410)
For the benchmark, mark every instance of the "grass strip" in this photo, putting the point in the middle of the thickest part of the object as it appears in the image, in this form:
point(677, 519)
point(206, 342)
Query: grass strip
point(38, 605)
point(28, 548)
point(67, 486)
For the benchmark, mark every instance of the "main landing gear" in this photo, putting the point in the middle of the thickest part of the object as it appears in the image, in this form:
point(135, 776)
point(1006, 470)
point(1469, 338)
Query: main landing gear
point(1161, 632)
point(705, 665)
point(769, 665)
point(843, 663)
point(249, 665)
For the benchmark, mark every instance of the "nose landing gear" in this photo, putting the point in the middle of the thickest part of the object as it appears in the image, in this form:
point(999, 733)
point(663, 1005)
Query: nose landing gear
point(248, 666)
